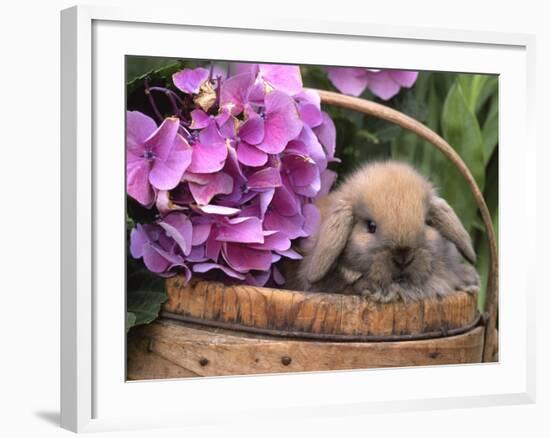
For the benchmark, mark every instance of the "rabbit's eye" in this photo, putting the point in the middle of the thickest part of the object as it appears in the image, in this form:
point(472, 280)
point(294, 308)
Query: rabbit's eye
point(371, 226)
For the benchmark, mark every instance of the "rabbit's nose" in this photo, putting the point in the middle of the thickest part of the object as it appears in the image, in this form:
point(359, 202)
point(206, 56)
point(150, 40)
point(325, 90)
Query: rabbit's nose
point(402, 256)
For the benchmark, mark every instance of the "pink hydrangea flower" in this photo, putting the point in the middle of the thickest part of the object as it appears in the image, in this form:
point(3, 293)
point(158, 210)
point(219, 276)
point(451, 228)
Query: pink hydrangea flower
point(156, 158)
point(382, 83)
point(254, 163)
point(163, 245)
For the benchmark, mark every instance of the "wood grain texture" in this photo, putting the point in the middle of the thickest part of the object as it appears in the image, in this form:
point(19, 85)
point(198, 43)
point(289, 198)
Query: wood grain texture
point(168, 349)
point(144, 364)
point(314, 313)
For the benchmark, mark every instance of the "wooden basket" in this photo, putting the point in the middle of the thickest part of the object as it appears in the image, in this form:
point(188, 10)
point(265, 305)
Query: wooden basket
point(209, 329)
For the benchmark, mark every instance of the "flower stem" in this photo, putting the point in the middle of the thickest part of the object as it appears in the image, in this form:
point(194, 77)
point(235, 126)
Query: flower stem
point(168, 92)
point(173, 97)
point(158, 115)
point(211, 74)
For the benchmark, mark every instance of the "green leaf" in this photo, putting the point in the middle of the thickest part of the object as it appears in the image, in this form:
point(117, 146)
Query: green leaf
point(461, 129)
point(140, 66)
point(145, 293)
point(482, 246)
point(490, 128)
point(368, 136)
point(130, 320)
point(130, 224)
point(145, 304)
point(434, 103)
point(482, 265)
point(472, 86)
point(163, 74)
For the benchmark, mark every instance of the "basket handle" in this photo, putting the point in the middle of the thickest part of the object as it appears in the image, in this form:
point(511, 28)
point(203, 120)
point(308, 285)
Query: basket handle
point(406, 122)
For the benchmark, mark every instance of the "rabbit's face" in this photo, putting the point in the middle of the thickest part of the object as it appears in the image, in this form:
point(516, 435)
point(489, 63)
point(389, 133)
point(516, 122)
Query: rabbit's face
point(388, 240)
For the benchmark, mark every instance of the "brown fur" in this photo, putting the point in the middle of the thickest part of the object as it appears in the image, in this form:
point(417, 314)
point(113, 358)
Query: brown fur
point(413, 253)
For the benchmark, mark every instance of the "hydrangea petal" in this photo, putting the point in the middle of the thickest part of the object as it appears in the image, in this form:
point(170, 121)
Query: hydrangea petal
point(218, 209)
point(161, 141)
point(228, 129)
point(153, 260)
point(244, 67)
point(205, 267)
point(167, 173)
point(404, 78)
point(217, 183)
point(201, 233)
point(199, 119)
point(291, 254)
point(138, 239)
point(181, 269)
point(137, 180)
point(219, 71)
point(265, 179)
point(138, 128)
point(265, 199)
point(211, 135)
point(328, 177)
point(234, 92)
point(213, 247)
point(250, 155)
point(310, 107)
point(257, 93)
point(348, 80)
point(310, 114)
point(286, 78)
point(326, 133)
point(252, 130)
point(190, 80)
point(232, 166)
point(207, 158)
point(313, 148)
point(243, 259)
point(309, 96)
point(302, 170)
point(285, 201)
point(248, 231)
point(292, 226)
point(382, 85)
point(276, 241)
point(197, 254)
point(258, 278)
point(179, 227)
point(282, 122)
point(312, 218)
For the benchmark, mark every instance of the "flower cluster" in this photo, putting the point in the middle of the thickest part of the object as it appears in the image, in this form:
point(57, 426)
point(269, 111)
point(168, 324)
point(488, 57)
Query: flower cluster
point(384, 84)
point(232, 174)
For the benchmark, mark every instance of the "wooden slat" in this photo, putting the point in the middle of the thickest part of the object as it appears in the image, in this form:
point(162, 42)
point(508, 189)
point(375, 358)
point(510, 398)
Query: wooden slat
point(144, 364)
point(198, 352)
point(316, 313)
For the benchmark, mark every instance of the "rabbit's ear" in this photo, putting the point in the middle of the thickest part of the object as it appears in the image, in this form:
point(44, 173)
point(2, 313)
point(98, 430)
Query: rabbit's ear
point(444, 219)
point(332, 238)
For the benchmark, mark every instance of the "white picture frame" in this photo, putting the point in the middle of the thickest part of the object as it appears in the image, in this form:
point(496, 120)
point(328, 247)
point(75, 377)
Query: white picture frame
point(94, 393)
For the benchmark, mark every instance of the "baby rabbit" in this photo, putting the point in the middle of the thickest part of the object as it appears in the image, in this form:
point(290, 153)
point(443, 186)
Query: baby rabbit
point(385, 234)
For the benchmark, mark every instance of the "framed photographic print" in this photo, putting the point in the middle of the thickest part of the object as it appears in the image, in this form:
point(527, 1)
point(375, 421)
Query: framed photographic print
point(321, 208)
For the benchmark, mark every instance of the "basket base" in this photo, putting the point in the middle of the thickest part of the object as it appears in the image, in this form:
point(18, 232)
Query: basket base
point(168, 349)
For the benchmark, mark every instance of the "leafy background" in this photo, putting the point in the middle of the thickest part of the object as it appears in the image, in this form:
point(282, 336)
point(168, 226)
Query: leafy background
point(462, 108)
